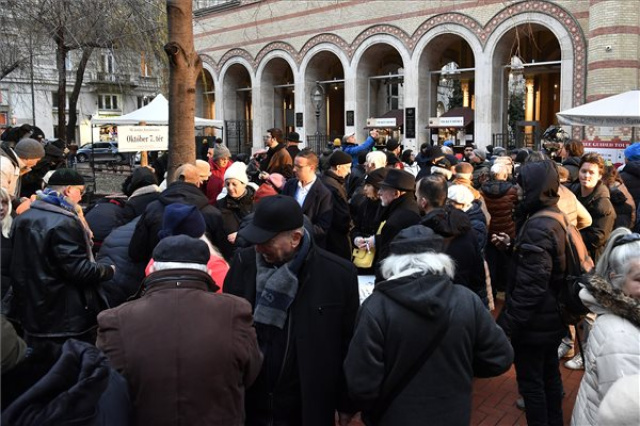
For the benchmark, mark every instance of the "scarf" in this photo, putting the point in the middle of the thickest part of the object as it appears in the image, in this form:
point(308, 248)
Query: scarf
point(278, 286)
point(50, 196)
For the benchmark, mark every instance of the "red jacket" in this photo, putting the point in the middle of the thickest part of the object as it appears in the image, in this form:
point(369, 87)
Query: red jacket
point(216, 181)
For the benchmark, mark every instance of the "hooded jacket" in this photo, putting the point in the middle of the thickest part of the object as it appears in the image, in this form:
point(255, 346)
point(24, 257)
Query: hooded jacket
point(530, 315)
point(630, 174)
point(462, 245)
point(572, 164)
point(614, 346)
point(394, 326)
point(501, 198)
point(603, 216)
point(145, 236)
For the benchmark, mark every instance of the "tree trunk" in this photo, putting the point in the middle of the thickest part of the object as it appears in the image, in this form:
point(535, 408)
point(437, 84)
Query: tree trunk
point(61, 64)
point(184, 66)
point(73, 99)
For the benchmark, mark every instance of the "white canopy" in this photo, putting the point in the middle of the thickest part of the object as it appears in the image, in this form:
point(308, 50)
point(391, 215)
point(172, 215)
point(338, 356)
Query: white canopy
point(156, 112)
point(614, 111)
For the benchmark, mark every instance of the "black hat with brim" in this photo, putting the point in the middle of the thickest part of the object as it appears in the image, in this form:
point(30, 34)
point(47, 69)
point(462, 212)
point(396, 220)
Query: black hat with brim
point(400, 180)
point(273, 215)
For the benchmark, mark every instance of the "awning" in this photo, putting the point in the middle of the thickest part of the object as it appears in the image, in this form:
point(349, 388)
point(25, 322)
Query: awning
point(614, 111)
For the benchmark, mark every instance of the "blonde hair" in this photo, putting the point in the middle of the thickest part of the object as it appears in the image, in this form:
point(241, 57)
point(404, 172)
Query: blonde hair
point(430, 263)
point(7, 220)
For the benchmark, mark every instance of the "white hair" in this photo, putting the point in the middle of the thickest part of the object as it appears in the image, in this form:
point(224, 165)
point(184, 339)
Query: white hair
point(7, 220)
point(614, 262)
point(400, 265)
point(499, 171)
point(377, 158)
point(163, 266)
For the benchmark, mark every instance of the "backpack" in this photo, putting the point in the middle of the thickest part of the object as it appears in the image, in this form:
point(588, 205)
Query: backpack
point(578, 265)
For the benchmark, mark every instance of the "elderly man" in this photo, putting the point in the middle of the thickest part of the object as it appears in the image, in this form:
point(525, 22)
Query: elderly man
point(338, 241)
point(187, 353)
point(185, 191)
point(311, 194)
point(400, 211)
point(305, 302)
point(55, 278)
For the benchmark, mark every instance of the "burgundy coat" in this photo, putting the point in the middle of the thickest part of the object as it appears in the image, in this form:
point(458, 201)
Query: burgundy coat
point(501, 198)
point(187, 353)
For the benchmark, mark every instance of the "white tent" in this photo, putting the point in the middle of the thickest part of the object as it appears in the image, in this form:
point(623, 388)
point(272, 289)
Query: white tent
point(614, 111)
point(155, 113)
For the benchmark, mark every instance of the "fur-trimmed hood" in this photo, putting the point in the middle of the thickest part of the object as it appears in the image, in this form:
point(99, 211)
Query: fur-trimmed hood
point(600, 297)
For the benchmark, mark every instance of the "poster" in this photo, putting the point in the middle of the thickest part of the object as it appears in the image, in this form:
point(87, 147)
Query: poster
point(143, 138)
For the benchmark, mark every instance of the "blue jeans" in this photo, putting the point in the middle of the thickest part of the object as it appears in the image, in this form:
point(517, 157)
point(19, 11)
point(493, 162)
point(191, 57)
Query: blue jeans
point(539, 382)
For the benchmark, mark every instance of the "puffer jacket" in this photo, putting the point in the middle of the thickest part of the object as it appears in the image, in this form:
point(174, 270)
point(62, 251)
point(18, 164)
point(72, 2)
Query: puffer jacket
point(80, 389)
point(129, 274)
point(630, 174)
point(54, 276)
point(146, 237)
point(613, 350)
point(462, 245)
point(501, 198)
point(603, 216)
point(530, 314)
point(394, 326)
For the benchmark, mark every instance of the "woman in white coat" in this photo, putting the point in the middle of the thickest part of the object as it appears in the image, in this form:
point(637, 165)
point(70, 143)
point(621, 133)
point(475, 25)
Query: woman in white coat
point(613, 293)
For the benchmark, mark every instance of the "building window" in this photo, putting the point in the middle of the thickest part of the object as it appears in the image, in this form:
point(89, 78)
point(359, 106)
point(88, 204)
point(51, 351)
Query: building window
point(54, 101)
point(145, 68)
point(144, 100)
point(107, 64)
point(108, 102)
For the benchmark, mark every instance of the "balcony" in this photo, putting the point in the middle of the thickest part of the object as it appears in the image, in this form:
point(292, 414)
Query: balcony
point(108, 78)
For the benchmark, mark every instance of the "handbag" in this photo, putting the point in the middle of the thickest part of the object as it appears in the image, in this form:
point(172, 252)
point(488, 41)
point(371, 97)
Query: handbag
point(363, 258)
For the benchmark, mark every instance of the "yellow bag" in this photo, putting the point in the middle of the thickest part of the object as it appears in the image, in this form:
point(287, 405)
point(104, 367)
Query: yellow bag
point(363, 258)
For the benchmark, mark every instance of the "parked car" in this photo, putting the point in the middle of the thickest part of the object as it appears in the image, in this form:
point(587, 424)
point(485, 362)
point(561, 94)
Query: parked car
point(101, 152)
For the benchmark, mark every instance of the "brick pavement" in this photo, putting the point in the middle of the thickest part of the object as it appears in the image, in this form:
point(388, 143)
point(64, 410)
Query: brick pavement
point(494, 399)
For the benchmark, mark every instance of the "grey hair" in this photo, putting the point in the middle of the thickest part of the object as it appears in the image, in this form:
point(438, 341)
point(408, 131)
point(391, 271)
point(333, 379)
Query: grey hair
point(499, 171)
point(614, 263)
point(400, 265)
point(378, 158)
point(163, 266)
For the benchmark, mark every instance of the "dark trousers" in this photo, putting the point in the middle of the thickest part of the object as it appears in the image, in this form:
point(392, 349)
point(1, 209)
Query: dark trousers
point(539, 382)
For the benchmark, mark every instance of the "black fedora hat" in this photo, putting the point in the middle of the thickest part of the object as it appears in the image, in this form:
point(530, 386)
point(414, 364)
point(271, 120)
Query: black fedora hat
point(293, 137)
point(400, 180)
point(273, 215)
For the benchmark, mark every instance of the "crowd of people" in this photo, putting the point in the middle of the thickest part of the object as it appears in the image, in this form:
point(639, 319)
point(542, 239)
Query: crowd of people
point(229, 295)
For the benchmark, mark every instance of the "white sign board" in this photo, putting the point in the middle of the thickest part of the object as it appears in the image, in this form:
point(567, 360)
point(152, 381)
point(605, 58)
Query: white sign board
point(446, 121)
point(143, 138)
point(381, 122)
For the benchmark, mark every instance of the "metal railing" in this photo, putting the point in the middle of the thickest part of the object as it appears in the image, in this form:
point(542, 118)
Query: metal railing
point(318, 142)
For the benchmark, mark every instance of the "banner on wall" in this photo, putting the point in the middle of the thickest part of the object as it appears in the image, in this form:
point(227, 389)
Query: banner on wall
point(143, 138)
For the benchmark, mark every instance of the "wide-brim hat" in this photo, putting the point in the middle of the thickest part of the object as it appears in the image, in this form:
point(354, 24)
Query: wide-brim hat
point(273, 215)
point(293, 137)
point(400, 180)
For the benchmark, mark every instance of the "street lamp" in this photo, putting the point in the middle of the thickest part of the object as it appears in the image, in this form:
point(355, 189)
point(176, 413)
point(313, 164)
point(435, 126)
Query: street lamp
point(317, 99)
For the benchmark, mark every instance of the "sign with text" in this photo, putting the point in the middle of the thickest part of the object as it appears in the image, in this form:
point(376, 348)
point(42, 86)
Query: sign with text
point(446, 121)
point(410, 119)
point(381, 122)
point(143, 138)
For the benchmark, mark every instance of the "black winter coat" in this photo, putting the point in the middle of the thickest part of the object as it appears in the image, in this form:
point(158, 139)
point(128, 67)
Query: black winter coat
point(402, 213)
point(530, 315)
point(233, 213)
point(572, 164)
point(603, 216)
point(104, 216)
point(462, 245)
point(5, 264)
point(630, 174)
point(623, 205)
point(338, 241)
point(53, 274)
point(320, 327)
point(145, 236)
point(129, 274)
point(317, 206)
point(80, 389)
point(394, 326)
point(137, 204)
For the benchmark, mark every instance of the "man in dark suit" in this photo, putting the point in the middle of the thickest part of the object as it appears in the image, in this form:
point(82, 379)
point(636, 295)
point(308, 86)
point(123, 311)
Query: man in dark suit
point(311, 194)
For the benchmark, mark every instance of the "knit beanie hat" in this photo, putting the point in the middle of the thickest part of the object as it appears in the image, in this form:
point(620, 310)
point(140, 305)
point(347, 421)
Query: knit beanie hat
point(480, 153)
point(238, 171)
point(29, 149)
point(182, 219)
point(632, 152)
point(221, 151)
point(339, 157)
point(141, 177)
point(182, 249)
